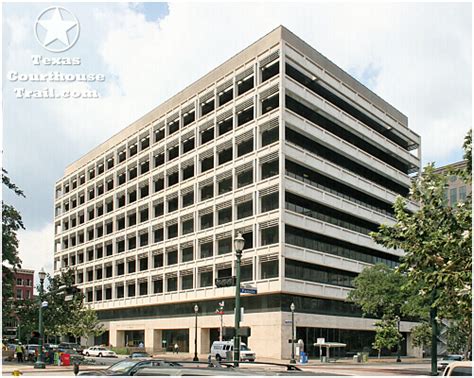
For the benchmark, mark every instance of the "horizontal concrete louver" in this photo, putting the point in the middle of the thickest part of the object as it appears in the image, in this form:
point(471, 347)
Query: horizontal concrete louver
point(205, 269)
point(244, 105)
point(172, 170)
point(206, 154)
point(171, 275)
point(270, 58)
point(223, 175)
point(244, 136)
point(244, 74)
point(172, 118)
point(187, 190)
point(223, 116)
point(268, 224)
point(157, 126)
point(205, 211)
point(269, 92)
point(268, 191)
point(157, 278)
point(223, 205)
point(188, 109)
point(224, 235)
point(187, 217)
point(269, 157)
point(224, 86)
point(244, 167)
point(207, 97)
point(186, 272)
point(246, 262)
point(187, 136)
point(206, 125)
point(171, 222)
point(243, 199)
point(224, 146)
point(143, 184)
point(267, 258)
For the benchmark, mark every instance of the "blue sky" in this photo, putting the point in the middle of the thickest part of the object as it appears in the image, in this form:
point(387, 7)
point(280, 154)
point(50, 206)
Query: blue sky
point(416, 56)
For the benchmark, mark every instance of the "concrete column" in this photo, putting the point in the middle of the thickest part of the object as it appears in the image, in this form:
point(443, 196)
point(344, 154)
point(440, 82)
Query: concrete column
point(204, 346)
point(149, 339)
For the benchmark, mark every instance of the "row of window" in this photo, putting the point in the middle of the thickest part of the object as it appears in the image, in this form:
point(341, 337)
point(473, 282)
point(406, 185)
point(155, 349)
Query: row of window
point(315, 210)
point(339, 189)
point(342, 161)
point(24, 282)
point(174, 255)
point(207, 161)
point(175, 122)
point(311, 240)
point(185, 281)
point(207, 190)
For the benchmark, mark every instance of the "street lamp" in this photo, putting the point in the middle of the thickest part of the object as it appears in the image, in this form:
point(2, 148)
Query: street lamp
point(39, 364)
point(292, 308)
point(239, 243)
point(196, 309)
point(397, 318)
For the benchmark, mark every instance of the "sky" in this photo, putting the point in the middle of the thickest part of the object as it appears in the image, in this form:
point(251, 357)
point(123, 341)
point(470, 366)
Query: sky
point(417, 56)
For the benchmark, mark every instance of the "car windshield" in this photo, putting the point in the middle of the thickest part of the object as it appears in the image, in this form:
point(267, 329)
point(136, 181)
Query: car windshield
point(243, 347)
point(122, 366)
point(452, 358)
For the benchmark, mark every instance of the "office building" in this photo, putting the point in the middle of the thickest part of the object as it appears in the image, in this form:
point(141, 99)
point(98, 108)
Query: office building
point(278, 143)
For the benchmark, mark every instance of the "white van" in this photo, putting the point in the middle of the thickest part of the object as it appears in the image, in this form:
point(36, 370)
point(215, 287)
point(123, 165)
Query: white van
point(219, 350)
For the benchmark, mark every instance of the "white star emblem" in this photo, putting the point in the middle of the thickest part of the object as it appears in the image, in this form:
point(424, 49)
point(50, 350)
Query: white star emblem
point(56, 29)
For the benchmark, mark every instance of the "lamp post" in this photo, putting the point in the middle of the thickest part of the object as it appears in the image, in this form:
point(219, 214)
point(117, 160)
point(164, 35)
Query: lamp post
point(239, 243)
point(292, 308)
point(397, 318)
point(39, 364)
point(196, 309)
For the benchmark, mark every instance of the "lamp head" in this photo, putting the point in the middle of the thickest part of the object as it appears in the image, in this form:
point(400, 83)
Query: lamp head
point(239, 243)
point(292, 307)
point(42, 274)
point(196, 308)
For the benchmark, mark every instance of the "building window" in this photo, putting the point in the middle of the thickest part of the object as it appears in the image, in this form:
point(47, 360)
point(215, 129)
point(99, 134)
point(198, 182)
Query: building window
point(245, 209)
point(131, 266)
point(224, 246)
point(108, 293)
point(173, 152)
point(158, 260)
point(132, 173)
point(120, 269)
point(119, 291)
point(188, 199)
point(269, 202)
point(131, 290)
point(462, 193)
point(144, 239)
point(269, 136)
point(270, 103)
point(159, 209)
point(207, 163)
point(187, 282)
point(316, 273)
point(225, 185)
point(159, 134)
point(205, 279)
point(132, 196)
point(269, 269)
point(207, 192)
point(244, 85)
point(270, 71)
point(172, 284)
point(173, 126)
point(269, 235)
point(158, 235)
point(269, 169)
point(188, 226)
point(245, 147)
point(143, 215)
point(132, 243)
point(158, 286)
point(187, 254)
point(159, 184)
point(225, 156)
point(143, 287)
point(225, 125)
point(245, 116)
point(207, 221)
point(172, 258)
point(224, 215)
point(207, 107)
point(19, 293)
point(108, 271)
point(453, 196)
point(189, 117)
point(207, 249)
point(207, 135)
point(132, 219)
point(188, 172)
point(245, 178)
point(172, 231)
point(226, 96)
point(188, 145)
point(173, 178)
point(172, 204)
point(248, 236)
point(246, 273)
point(159, 159)
point(144, 167)
point(144, 191)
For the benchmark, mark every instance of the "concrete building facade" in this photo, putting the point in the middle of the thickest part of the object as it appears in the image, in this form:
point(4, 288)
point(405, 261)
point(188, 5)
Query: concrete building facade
point(278, 143)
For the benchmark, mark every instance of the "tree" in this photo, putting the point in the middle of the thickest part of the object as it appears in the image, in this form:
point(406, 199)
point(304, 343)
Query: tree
point(386, 335)
point(421, 335)
point(89, 323)
point(11, 224)
point(437, 243)
point(458, 337)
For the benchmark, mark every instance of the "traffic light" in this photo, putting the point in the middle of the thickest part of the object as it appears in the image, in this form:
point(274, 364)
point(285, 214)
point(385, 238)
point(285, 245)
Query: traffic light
point(225, 281)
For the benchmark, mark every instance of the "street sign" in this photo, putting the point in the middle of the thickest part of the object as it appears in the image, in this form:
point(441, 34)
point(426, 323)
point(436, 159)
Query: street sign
point(245, 290)
point(287, 321)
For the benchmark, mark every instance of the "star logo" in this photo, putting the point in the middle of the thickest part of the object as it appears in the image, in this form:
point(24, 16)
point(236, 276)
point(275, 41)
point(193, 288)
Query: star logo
point(57, 29)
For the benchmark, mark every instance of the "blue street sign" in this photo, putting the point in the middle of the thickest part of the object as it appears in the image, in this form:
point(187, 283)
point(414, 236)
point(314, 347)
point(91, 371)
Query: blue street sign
point(245, 290)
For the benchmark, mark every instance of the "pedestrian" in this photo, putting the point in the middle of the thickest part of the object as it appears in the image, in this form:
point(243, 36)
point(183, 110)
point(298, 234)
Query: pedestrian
point(176, 348)
point(19, 352)
point(141, 344)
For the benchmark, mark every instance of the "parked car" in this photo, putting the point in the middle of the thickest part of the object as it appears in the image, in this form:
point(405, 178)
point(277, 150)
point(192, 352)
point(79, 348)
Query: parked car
point(139, 355)
point(449, 359)
point(463, 368)
point(75, 346)
point(129, 367)
point(98, 351)
point(219, 350)
point(30, 351)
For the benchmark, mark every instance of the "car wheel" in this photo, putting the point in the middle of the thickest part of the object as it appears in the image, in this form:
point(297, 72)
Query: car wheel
point(218, 357)
point(87, 354)
point(99, 355)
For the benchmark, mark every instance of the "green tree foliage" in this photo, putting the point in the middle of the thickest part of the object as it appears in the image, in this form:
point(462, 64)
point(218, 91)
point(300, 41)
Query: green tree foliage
point(458, 337)
point(386, 334)
point(437, 242)
point(421, 335)
point(11, 224)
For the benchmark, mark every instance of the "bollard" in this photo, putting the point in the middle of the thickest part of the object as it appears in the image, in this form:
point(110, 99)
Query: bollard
point(76, 368)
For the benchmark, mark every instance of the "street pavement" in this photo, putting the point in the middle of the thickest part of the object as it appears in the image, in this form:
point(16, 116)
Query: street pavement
point(375, 367)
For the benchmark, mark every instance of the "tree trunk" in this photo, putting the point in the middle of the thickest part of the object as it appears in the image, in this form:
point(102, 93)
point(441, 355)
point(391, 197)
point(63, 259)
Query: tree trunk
point(380, 351)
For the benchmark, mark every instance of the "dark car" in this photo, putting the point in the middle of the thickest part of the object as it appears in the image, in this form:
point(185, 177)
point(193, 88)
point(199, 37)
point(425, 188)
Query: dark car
point(73, 346)
point(129, 367)
point(139, 355)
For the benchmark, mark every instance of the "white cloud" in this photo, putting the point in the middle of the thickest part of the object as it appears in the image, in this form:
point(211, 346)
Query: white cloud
point(36, 248)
